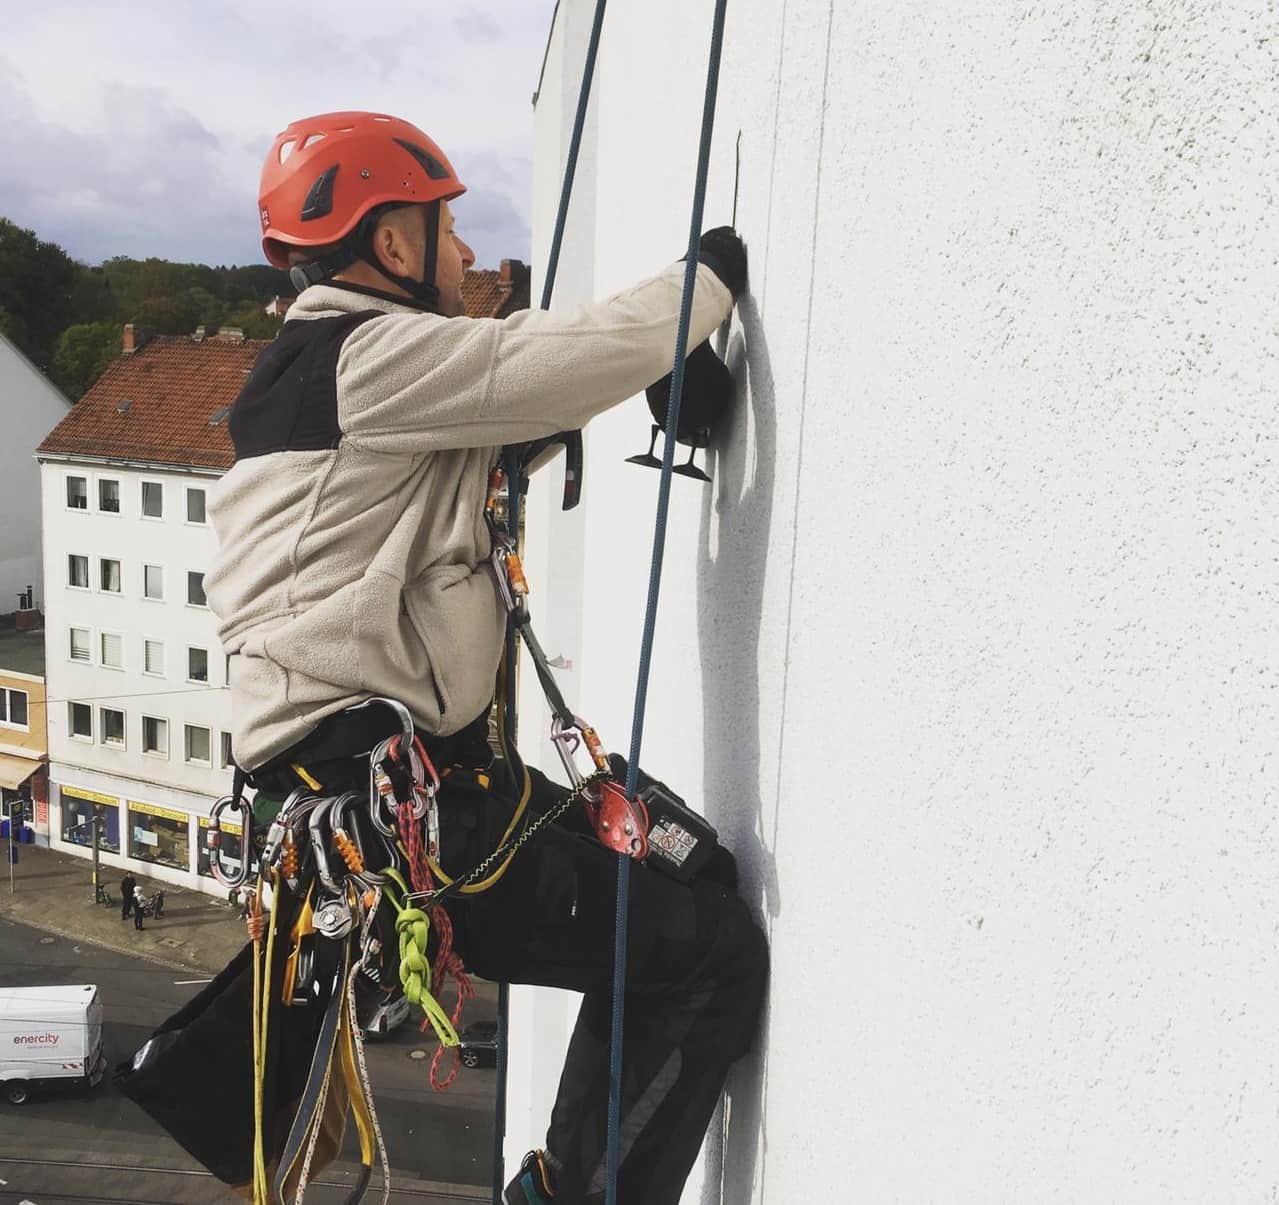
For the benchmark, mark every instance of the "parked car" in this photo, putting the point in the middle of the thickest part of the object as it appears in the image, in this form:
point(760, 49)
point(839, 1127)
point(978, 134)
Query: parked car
point(49, 1036)
point(479, 1044)
point(380, 1013)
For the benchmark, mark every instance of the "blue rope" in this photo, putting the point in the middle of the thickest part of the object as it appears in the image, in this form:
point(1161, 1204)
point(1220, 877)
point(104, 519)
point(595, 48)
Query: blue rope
point(654, 589)
point(511, 463)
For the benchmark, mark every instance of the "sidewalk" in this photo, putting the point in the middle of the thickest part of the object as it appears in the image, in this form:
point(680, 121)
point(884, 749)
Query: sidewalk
point(54, 892)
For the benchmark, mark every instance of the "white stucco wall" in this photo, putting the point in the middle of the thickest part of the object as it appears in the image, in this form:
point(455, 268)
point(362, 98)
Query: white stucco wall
point(30, 407)
point(968, 649)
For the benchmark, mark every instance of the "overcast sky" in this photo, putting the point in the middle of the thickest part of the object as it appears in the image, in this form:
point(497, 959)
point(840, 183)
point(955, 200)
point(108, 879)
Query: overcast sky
point(133, 127)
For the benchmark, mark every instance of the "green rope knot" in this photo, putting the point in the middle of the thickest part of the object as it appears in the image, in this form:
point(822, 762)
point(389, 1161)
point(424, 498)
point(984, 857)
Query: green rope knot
point(415, 972)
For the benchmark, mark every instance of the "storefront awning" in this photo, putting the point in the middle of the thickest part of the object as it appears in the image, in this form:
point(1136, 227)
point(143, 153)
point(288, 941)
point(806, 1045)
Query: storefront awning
point(14, 771)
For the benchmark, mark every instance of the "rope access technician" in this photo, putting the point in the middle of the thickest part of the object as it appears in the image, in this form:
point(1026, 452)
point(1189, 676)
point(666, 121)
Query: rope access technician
point(354, 562)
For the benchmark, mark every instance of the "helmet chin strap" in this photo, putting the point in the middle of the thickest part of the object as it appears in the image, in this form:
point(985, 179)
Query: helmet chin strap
point(423, 290)
point(360, 247)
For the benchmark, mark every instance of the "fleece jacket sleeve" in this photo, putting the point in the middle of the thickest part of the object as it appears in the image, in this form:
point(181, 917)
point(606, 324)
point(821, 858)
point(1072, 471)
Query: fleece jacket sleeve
point(414, 382)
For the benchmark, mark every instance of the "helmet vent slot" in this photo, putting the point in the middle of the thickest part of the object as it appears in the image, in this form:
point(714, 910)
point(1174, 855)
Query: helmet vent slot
point(428, 162)
point(286, 149)
point(310, 140)
point(319, 201)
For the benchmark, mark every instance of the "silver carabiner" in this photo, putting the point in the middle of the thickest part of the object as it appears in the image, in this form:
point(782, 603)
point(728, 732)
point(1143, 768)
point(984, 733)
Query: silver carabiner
point(213, 840)
point(318, 845)
point(568, 739)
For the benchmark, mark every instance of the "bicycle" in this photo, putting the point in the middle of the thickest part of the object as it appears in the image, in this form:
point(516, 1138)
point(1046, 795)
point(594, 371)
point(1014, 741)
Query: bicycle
point(102, 896)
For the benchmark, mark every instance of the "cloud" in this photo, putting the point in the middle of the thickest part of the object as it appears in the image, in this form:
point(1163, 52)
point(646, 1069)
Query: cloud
point(477, 26)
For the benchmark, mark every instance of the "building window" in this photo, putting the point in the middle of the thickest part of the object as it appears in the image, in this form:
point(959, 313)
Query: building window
point(196, 744)
point(77, 493)
point(77, 821)
point(78, 572)
point(153, 657)
point(153, 581)
point(197, 665)
point(155, 736)
point(80, 721)
point(112, 649)
point(13, 709)
point(195, 590)
point(111, 726)
point(109, 575)
point(195, 505)
point(159, 835)
point(79, 645)
point(152, 500)
point(109, 495)
point(228, 761)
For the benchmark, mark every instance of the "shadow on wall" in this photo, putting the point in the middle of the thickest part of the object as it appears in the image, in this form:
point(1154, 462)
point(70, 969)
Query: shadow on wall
point(730, 601)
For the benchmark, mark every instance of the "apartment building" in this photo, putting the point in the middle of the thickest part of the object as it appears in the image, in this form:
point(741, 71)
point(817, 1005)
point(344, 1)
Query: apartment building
point(138, 706)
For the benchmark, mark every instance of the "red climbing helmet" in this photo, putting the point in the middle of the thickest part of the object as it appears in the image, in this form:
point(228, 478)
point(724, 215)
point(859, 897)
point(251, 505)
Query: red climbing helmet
point(325, 173)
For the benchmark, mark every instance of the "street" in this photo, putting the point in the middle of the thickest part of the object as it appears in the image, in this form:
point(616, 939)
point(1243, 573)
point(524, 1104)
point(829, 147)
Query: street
point(98, 1147)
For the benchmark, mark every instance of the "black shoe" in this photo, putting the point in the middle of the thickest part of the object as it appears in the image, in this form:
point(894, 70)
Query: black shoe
point(533, 1184)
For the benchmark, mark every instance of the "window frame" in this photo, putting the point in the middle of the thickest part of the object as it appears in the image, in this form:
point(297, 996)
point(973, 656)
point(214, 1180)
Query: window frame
point(110, 560)
point(119, 495)
point(159, 719)
point(198, 648)
point(152, 597)
point(142, 500)
point(204, 506)
point(102, 657)
point(76, 556)
point(197, 573)
point(226, 759)
point(187, 758)
point(6, 722)
point(123, 742)
point(162, 672)
point(87, 659)
point(67, 479)
point(84, 738)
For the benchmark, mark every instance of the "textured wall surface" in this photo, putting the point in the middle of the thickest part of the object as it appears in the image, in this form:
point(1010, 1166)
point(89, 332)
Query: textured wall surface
point(968, 650)
point(30, 407)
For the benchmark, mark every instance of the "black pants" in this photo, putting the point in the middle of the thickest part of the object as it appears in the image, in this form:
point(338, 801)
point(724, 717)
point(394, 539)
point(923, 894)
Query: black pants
point(695, 974)
point(126, 905)
point(137, 915)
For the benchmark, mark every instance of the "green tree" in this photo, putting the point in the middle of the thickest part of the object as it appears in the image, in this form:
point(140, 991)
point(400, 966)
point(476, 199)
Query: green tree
point(37, 287)
point(254, 321)
point(82, 353)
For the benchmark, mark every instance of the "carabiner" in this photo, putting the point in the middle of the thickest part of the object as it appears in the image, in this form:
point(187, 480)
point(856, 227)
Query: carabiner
point(568, 739)
point(319, 847)
point(213, 840)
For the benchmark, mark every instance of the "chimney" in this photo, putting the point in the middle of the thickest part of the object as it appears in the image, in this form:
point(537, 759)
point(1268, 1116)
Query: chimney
point(135, 338)
point(505, 280)
point(230, 334)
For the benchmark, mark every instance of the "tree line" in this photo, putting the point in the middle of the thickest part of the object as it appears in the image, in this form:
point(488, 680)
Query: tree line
point(68, 317)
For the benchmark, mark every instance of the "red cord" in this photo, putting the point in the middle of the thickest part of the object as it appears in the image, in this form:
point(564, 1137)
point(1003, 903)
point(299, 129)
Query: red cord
point(447, 961)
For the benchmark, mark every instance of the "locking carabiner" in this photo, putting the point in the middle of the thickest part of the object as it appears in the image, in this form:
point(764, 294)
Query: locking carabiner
point(213, 840)
point(568, 739)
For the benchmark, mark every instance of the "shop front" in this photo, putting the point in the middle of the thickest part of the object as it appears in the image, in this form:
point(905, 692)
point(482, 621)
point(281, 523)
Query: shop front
point(161, 836)
point(78, 806)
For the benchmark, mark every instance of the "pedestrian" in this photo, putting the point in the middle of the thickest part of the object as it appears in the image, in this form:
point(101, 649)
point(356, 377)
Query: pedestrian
point(139, 906)
point(353, 562)
point(127, 884)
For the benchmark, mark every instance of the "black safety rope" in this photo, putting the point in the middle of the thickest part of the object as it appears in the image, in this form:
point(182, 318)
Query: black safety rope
point(512, 466)
point(654, 588)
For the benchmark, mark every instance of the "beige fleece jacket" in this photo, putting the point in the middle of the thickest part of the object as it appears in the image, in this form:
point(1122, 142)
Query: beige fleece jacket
point(361, 570)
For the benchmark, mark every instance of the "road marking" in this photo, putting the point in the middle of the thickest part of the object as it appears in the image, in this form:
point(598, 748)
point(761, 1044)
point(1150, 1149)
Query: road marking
point(185, 982)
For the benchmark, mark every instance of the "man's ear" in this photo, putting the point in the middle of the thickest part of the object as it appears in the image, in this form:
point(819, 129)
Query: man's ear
point(389, 246)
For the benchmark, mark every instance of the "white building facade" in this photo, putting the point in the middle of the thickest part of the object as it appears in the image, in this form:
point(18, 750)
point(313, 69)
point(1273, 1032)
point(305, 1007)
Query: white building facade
point(30, 405)
point(968, 651)
point(139, 711)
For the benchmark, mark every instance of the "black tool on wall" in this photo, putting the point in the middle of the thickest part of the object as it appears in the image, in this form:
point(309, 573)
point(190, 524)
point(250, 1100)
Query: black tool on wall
point(707, 398)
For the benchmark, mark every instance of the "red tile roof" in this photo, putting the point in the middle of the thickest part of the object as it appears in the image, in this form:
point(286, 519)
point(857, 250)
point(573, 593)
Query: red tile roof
point(174, 387)
point(495, 293)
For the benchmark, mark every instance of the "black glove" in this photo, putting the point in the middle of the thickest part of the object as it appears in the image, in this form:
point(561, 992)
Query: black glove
point(724, 253)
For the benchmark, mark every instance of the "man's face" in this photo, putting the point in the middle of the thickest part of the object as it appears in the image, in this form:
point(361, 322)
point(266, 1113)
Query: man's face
point(452, 260)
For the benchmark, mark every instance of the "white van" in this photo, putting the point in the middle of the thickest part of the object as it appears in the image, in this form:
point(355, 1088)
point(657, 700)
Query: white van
point(49, 1034)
